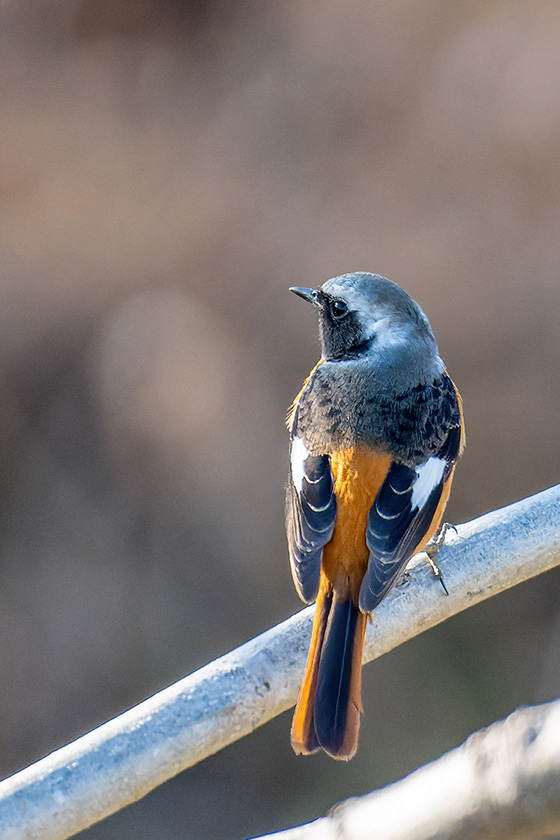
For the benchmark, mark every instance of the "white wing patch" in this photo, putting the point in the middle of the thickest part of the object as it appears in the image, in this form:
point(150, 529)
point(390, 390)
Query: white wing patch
point(298, 456)
point(429, 476)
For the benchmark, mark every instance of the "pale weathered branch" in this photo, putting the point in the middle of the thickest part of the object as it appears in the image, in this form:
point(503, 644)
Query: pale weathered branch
point(501, 784)
point(127, 757)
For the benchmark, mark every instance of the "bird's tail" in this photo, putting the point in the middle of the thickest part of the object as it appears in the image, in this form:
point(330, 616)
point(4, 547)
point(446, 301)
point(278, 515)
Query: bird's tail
point(328, 710)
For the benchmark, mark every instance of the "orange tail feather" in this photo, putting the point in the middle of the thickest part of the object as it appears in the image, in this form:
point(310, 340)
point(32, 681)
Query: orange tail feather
point(327, 714)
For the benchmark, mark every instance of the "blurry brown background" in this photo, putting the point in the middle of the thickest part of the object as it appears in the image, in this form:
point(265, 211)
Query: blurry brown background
point(167, 170)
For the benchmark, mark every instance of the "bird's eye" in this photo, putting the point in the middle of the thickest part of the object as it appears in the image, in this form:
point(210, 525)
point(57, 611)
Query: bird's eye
point(338, 309)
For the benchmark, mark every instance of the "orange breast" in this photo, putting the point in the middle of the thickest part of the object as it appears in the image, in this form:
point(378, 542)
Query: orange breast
point(358, 475)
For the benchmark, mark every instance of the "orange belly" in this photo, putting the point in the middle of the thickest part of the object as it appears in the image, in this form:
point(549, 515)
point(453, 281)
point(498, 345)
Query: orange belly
point(358, 475)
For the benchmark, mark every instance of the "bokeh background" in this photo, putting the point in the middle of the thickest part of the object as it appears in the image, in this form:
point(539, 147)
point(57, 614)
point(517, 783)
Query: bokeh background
point(167, 170)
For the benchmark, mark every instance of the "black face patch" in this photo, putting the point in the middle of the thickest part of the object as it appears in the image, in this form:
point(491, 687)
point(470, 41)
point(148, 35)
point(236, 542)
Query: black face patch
point(341, 336)
point(362, 349)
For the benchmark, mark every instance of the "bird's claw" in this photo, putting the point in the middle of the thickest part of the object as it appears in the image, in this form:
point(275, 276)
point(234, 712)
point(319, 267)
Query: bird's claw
point(432, 549)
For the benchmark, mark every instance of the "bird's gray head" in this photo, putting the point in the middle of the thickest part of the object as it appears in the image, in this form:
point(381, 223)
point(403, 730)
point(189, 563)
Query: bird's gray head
point(364, 315)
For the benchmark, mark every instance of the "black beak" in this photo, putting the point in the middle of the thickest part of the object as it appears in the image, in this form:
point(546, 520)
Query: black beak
point(312, 295)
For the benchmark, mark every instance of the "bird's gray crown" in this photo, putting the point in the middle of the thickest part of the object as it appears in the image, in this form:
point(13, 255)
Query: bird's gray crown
point(366, 317)
point(375, 297)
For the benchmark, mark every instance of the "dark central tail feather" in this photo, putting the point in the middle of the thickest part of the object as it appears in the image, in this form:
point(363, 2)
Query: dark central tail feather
point(338, 702)
point(328, 711)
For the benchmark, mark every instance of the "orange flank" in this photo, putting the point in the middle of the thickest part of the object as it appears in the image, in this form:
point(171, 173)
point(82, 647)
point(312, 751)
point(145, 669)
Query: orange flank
point(358, 475)
point(292, 409)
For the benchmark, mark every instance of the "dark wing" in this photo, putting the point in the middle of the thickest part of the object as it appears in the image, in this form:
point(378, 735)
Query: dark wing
point(310, 516)
point(401, 515)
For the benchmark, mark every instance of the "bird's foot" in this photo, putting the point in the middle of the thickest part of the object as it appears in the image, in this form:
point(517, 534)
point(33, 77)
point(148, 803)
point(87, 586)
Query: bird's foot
point(432, 549)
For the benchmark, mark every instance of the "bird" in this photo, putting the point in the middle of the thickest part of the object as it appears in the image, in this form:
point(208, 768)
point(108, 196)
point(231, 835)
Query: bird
point(375, 434)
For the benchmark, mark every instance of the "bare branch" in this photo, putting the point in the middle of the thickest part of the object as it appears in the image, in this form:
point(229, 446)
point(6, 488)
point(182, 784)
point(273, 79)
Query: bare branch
point(124, 759)
point(501, 784)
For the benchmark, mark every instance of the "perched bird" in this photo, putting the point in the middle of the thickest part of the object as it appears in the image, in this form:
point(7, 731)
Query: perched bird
point(376, 432)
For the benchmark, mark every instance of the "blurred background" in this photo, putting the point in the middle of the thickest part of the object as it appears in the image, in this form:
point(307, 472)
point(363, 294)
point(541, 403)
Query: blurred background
point(167, 170)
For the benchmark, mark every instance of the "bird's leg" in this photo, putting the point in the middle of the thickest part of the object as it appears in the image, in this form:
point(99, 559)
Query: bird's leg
point(432, 549)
